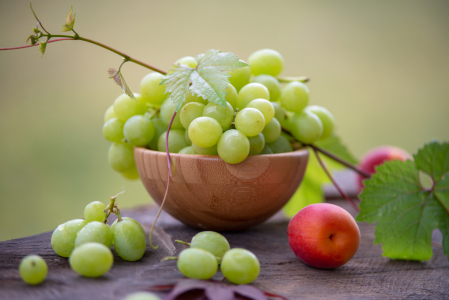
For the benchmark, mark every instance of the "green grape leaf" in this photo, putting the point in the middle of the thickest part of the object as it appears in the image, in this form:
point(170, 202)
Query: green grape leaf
point(32, 38)
point(209, 79)
point(70, 21)
point(120, 80)
point(42, 48)
point(406, 213)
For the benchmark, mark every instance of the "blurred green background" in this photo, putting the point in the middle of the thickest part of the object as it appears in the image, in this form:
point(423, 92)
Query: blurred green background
point(381, 67)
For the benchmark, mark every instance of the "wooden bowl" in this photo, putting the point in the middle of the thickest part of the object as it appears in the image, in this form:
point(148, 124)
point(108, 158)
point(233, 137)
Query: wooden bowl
point(209, 194)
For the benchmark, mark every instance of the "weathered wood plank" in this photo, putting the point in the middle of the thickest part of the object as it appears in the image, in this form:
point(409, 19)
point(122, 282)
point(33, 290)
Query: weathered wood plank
point(367, 276)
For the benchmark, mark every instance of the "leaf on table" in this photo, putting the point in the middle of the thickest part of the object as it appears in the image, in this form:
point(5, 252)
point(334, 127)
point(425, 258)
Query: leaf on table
point(120, 80)
point(406, 213)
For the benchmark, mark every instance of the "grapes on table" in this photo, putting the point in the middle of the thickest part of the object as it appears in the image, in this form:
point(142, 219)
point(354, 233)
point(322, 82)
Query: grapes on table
point(33, 269)
point(94, 211)
point(240, 266)
point(197, 263)
point(91, 259)
point(63, 237)
point(128, 238)
point(211, 241)
point(94, 232)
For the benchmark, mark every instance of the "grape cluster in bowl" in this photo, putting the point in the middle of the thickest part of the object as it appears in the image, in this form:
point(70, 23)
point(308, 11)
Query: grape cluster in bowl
point(260, 117)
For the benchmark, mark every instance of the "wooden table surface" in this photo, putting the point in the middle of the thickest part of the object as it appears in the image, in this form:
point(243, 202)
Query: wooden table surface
point(367, 276)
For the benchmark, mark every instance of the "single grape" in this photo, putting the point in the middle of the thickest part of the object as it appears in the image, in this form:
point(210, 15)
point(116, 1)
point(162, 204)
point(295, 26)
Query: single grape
point(142, 296)
point(272, 131)
point(121, 157)
point(126, 107)
point(95, 231)
point(168, 108)
point(240, 266)
point(91, 259)
point(160, 129)
point(224, 116)
point(94, 211)
point(131, 174)
point(186, 136)
point(250, 121)
point(151, 90)
point(279, 111)
point(295, 96)
point(265, 107)
point(197, 263)
point(271, 83)
point(266, 61)
point(109, 114)
point(239, 78)
point(187, 150)
point(205, 151)
point(231, 95)
point(128, 237)
point(33, 269)
point(266, 150)
point(211, 241)
point(113, 130)
point(205, 132)
point(326, 117)
point(250, 92)
point(139, 130)
point(281, 145)
point(63, 238)
point(176, 141)
point(256, 144)
point(190, 112)
point(233, 146)
point(194, 98)
point(187, 60)
point(306, 127)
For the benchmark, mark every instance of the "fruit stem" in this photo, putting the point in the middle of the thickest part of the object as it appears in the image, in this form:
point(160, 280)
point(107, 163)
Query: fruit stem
point(290, 79)
point(354, 205)
point(170, 258)
point(182, 242)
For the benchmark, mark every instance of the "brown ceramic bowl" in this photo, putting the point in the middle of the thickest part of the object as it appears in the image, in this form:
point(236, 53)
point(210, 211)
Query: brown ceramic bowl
point(209, 194)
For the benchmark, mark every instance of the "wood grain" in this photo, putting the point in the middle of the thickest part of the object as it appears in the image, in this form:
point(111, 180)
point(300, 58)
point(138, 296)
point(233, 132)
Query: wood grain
point(209, 194)
point(367, 276)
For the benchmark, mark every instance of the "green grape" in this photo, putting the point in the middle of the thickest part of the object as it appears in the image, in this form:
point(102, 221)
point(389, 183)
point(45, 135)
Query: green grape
point(205, 132)
point(205, 151)
point(240, 266)
point(279, 111)
point(306, 127)
point(139, 131)
point(266, 61)
point(266, 150)
point(224, 116)
point(187, 150)
point(239, 78)
point(190, 112)
point(197, 263)
point(176, 141)
point(272, 131)
point(142, 296)
point(271, 83)
point(131, 174)
point(94, 211)
point(160, 129)
point(250, 121)
point(233, 146)
point(121, 157)
point(281, 145)
point(256, 144)
point(231, 95)
point(109, 114)
point(265, 107)
point(188, 60)
point(168, 108)
point(151, 90)
point(295, 96)
point(211, 241)
point(126, 107)
point(63, 238)
point(91, 259)
point(250, 92)
point(128, 237)
point(95, 231)
point(327, 119)
point(113, 130)
point(194, 98)
point(33, 269)
point(186, 136)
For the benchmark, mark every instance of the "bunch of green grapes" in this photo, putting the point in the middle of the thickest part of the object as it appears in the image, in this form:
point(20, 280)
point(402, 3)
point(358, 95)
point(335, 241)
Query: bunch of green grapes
point(260, 117)
point(87, 243)
point(210, 249)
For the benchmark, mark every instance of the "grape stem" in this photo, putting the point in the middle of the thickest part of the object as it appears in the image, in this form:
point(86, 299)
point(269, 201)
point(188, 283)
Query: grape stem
point(182, 242)
point(170, 258)
point(291, 79)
